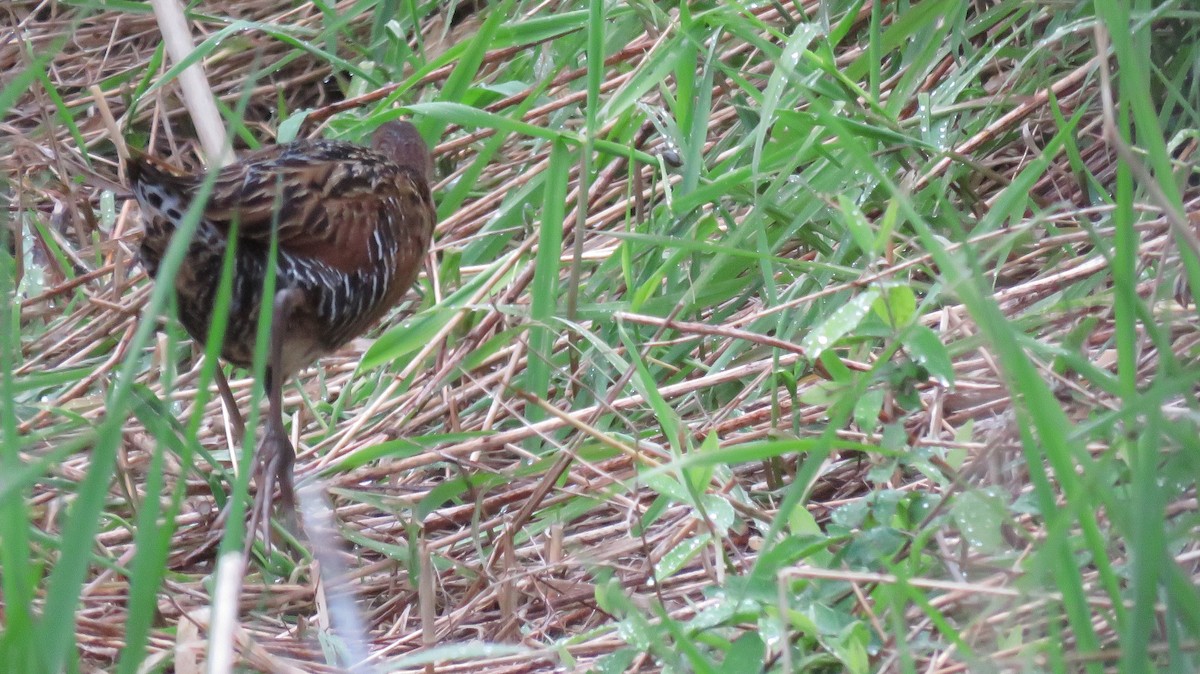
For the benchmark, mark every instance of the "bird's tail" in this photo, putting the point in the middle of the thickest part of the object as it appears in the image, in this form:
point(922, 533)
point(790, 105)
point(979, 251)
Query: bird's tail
point(143, 167)
point(158, 186)
point(400, 142)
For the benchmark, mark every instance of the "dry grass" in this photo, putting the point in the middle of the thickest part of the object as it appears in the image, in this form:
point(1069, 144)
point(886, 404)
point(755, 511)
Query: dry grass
point(523, 553)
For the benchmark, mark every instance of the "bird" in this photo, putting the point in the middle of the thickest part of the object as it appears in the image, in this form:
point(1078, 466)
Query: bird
point(351, 227)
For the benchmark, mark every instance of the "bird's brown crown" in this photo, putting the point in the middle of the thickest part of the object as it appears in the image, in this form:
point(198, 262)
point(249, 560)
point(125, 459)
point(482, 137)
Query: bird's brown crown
point(400, 142)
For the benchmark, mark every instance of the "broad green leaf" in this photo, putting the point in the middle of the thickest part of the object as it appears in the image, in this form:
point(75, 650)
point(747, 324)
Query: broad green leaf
point(841, 322)
point(928, 351)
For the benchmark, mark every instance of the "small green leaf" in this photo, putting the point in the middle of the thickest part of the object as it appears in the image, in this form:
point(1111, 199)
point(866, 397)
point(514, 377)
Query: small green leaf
point(289, 127)
point(745, 655)
point(851, 648)
point(666, 486)
point(929, 352)
point(897, 306)
point(858, 226)
point(979, 517)
point(679, 555)
point(616, 662)
point(802, 522)
point(845, 319)
point(720, 512)
point(866, 410)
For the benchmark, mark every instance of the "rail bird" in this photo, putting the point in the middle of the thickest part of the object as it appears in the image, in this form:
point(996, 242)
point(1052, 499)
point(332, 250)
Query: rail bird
point(351, 224)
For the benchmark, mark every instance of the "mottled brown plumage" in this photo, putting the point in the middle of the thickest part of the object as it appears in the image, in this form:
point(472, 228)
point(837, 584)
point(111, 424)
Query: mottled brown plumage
point(353, 225)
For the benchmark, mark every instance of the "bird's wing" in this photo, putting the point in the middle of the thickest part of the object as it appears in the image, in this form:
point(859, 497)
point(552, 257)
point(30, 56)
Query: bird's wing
point(324, 198)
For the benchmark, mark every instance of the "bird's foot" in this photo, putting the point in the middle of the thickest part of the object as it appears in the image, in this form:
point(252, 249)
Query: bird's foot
point(273, 463)
point(272, 467)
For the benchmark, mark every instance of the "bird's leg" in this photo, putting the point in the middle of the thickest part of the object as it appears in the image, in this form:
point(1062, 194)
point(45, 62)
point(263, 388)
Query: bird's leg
point(235, 416)
point(275, 455)
point(239, 433)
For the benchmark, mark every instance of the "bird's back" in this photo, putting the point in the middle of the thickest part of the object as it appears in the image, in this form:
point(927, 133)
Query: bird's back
point(352, 225)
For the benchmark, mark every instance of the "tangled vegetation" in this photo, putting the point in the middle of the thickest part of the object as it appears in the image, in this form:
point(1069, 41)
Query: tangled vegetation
point(780, 336)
